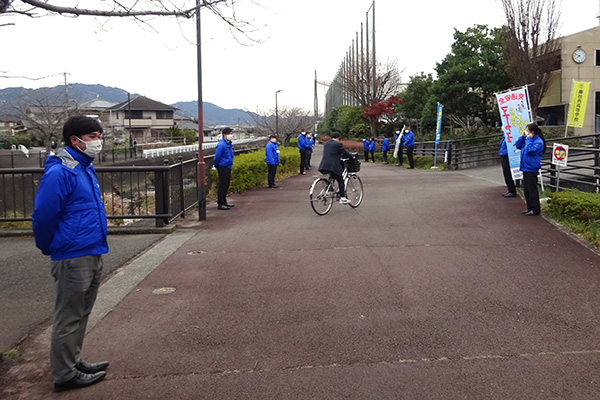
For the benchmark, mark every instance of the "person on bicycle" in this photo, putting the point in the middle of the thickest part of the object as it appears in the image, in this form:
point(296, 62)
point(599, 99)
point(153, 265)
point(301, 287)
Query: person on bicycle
point(331, 163)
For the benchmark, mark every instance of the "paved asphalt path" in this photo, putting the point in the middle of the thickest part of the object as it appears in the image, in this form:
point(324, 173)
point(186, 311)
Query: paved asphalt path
point(436, 287)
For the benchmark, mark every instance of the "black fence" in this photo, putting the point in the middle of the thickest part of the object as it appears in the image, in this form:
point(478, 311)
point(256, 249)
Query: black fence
point(130, 193)
point(582, 172)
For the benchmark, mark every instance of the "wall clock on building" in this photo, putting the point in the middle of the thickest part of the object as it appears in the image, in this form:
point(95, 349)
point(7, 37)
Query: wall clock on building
point(579, 56)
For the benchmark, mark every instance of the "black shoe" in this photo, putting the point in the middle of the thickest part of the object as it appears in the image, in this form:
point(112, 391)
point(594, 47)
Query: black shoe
point(223, 208)
point(229, 205)
point(411, 168)
point(274, 187)
point(91, 368)
point(530, 213)
point(505, 193)
point(79, 381)
point(525, 211)
point(508, 194)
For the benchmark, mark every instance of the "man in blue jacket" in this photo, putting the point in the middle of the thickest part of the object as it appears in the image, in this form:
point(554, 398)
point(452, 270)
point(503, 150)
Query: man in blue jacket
point(303, 146)
point(69, 225)
point(272, 160)
point(223, 161)
point(408, 140)
point(385, 147)
point(510, 183)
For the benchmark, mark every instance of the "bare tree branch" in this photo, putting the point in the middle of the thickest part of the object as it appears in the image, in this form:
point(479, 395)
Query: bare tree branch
point(532, 49)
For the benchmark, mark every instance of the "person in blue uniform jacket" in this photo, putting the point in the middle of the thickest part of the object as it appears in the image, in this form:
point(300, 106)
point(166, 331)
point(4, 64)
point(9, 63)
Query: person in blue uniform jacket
point(223, 161)
point(372, 149)
point(69, 225)
point(272, 160)
point(303, 146)
point(510, 183)
point(532, 146)
point(385, 147)
point(333, 150)
point(366, 149)
point(408, 140)
point(311, 145)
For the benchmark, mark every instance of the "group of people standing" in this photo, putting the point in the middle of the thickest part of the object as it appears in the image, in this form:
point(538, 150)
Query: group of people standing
point(403, 138)
point(532, 145)
point(306, 144)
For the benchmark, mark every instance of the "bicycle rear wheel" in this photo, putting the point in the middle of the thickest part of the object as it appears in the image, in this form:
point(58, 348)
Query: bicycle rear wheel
point(354, 191)
point(321, 198)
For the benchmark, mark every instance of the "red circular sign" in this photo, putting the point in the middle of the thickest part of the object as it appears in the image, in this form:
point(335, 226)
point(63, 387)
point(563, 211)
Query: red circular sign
point(560, 153)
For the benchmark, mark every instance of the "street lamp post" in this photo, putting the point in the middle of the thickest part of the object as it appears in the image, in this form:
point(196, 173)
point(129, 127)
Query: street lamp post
point(277, 115)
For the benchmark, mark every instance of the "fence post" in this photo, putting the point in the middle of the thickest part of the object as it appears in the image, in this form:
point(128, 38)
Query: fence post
point(597, 162)
point(162, 196)
point(181, 193)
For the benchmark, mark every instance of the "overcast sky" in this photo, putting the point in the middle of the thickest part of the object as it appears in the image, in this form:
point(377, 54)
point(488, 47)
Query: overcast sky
point(298, 37)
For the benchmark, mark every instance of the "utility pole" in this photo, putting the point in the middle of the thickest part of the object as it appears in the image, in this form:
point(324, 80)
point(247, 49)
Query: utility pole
point(201, 167)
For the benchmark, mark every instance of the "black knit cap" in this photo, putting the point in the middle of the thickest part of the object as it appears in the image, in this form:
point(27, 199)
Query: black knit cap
point(79, 126)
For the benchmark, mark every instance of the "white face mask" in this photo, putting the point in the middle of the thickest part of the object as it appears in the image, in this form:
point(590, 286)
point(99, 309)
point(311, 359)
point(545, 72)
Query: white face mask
point(273, 140)
point(92, 148)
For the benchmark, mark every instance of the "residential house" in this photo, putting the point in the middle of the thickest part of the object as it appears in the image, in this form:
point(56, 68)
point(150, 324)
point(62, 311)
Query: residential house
point(142, 119)
point(10, 125)
point(579, 61)
point(97, 108)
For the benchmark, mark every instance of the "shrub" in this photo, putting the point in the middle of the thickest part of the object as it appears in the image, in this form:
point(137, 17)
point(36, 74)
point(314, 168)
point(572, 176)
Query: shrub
point(575, 204)
point(577, 211)
point(250, 170)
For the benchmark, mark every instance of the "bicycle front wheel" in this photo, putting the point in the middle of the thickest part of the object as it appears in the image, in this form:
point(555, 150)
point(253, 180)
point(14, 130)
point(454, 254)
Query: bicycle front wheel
point(354, 190)
point(321, 199)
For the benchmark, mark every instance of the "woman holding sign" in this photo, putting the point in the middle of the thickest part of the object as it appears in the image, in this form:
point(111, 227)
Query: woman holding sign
point(532, 146)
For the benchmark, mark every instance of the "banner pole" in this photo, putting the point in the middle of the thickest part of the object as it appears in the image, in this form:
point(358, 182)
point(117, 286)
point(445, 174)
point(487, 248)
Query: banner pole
point(569, 109)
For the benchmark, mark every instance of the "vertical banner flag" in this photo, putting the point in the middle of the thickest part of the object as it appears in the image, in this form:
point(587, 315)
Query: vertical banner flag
point(515, 116)
point(438, 130)
point(579, 98)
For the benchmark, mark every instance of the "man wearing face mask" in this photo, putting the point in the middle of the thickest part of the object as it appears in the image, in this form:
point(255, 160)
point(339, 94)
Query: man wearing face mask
point(272, 160)
point(223, 161)
point(69, 225)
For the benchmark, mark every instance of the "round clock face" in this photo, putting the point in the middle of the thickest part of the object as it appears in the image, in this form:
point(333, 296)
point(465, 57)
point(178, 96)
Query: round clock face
point(579, 56)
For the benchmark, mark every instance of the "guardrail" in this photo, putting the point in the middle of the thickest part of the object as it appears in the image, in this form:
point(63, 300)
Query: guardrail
point(130, 193)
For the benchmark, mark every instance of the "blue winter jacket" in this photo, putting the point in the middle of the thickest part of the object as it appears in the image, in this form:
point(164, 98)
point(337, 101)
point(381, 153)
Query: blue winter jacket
point(69, 219)
point(502, 150)
point(303, 142)
point(372, 145)
point(408, 139)
point(385, 146)
point(531, 153)
point(223, 154)
point(272, 154)
point(365, 145)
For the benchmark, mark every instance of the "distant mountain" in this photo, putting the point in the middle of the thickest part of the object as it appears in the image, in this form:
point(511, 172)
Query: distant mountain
point(80, 93)
point(215, 115)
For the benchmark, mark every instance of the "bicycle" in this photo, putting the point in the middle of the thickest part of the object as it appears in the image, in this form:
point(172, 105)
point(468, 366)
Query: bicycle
point(324, 190)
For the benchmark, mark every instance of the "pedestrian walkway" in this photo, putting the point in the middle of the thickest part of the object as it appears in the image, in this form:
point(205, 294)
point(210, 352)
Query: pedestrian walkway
point(436, 287)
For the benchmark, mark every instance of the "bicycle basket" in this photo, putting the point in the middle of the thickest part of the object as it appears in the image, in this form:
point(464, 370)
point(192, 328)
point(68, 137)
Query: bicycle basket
point(352, 165)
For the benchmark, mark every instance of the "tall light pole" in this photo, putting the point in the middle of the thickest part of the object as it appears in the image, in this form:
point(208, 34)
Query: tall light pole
point(277, 115)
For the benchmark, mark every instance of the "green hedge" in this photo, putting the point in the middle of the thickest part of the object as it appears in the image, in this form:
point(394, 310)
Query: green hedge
point(575, 204)
point(577, 211)
point(250, 170)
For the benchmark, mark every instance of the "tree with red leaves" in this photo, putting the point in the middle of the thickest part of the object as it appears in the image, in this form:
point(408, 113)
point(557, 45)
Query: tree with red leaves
point(385, 107)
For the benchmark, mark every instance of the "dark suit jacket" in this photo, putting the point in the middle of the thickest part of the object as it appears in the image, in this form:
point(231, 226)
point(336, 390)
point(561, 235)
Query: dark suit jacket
point(332, 152)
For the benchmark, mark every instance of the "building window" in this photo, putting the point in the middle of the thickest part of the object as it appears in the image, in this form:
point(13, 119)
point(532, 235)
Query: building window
point(164, 115)
point(597, 61)
point(135, 114)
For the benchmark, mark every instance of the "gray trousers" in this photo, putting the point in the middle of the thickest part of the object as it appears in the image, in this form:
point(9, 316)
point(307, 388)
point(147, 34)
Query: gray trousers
point(76, 283)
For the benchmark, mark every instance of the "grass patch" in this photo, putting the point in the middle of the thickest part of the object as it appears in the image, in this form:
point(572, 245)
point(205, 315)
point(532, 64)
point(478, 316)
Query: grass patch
point(8, 354)
point(577, 211)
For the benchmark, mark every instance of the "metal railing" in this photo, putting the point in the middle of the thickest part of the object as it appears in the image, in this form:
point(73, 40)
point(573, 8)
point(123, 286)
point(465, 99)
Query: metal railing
point(130, 193)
